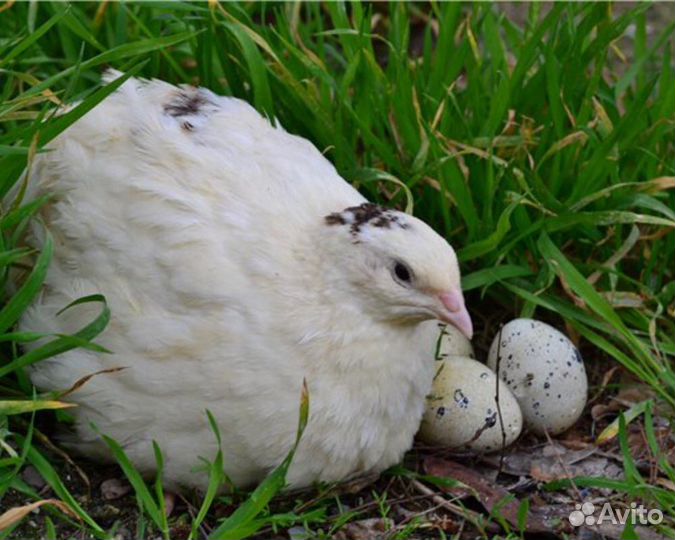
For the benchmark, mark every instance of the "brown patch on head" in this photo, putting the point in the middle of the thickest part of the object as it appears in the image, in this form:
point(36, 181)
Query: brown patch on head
point(367, 213)
point(389, 219)
point(335, 219)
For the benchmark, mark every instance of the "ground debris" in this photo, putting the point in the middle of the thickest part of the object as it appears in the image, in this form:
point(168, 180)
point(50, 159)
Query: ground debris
point(556, 462)
point(33, 478)
point(540, 518)
point(366, 529)
point(114, 488)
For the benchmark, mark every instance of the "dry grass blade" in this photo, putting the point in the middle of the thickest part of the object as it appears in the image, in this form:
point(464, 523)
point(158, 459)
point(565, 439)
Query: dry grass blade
point(84, 380)
point(16, 514)
point(459, 511)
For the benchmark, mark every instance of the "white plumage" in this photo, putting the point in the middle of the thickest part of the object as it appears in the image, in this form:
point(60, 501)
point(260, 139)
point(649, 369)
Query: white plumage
point(236, 262)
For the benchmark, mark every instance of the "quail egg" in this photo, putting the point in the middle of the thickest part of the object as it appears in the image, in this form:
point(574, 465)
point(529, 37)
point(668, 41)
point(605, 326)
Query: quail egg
point(544, 370)
point(452, 342)
point(462, 411)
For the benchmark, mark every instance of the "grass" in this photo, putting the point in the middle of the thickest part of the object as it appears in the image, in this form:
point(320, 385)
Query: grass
point(537, 148)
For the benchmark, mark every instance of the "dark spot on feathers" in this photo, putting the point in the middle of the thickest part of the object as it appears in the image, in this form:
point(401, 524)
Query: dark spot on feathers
point(366, 214)
point(187, 103)
point(440, 412)
point(335, 219)
point(387, 220)
point(187, 126)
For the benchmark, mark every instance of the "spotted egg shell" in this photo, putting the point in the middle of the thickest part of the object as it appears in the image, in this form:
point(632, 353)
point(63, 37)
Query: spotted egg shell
point(462, 411)
point(452, 342)
point(545, 372)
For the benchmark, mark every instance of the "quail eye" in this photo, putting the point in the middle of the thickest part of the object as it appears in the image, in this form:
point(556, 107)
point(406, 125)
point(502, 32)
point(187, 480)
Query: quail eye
point(402, 272)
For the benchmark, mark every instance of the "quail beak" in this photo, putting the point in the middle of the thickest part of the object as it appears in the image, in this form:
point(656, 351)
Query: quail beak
point(453, 311)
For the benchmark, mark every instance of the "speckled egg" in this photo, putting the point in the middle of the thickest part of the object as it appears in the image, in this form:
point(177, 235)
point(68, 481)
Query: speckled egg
point(452, 342)
point(545, 372)
point(462, 411)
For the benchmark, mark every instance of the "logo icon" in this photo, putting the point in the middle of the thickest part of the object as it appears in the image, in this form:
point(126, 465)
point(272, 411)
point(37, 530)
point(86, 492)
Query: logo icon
point(583, 514)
